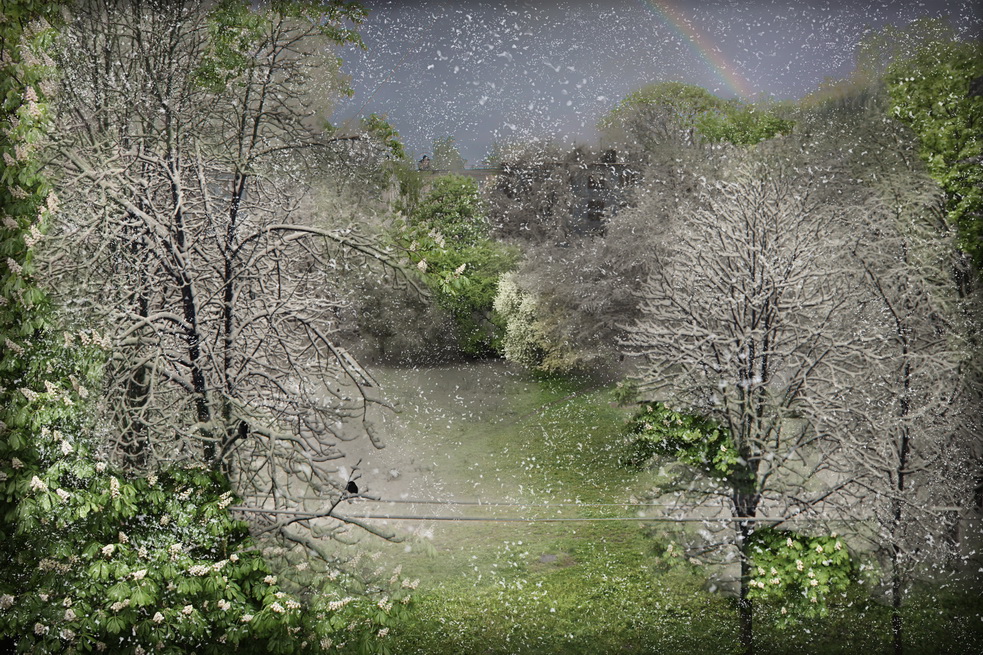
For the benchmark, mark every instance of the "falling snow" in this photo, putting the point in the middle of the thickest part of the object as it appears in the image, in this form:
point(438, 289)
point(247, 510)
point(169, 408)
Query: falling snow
point(485, 71)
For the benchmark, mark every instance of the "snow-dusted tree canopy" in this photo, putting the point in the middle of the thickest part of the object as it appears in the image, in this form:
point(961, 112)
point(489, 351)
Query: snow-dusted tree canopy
point(190, 240)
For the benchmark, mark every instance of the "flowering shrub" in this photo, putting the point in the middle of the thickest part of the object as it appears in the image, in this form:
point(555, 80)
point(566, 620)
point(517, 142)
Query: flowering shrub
point(526, 340)
point(802, 573)
point(446, 240)
point(659, 430)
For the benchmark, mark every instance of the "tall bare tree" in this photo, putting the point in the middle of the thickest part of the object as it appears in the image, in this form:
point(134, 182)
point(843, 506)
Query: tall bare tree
point(746, 318)
point(189, 141)
point(911, 438)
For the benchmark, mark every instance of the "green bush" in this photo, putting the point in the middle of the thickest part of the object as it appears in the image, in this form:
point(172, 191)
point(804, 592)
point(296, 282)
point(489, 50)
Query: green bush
point(931, 93)
point(656, 429)
point(799, 572)
point(446, 239)
point(741, 125)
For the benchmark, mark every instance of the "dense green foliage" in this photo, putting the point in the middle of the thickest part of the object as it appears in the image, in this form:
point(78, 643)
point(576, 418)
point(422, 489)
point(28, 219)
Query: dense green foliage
point(931, 92)
point(684, 102)
point(742, 125)
point(801, 573)
point(381, 130)
point(446, 238)
point(452, 207)
point(657, 429)
point(661, 112)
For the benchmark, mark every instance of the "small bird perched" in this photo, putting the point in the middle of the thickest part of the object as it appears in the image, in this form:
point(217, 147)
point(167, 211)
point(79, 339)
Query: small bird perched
point(352, 488)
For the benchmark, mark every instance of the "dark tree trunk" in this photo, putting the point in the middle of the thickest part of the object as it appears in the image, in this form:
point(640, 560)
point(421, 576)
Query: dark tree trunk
point(745, 505)
point(904, 450)
point(745, 611)
point(896, 591)
point(137, 441)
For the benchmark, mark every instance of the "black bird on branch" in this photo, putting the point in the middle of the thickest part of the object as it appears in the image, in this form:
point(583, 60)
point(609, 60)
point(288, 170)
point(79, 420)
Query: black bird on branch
point(351, 487)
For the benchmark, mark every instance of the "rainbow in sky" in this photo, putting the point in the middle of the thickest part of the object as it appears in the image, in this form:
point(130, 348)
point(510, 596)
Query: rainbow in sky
point(700, 44)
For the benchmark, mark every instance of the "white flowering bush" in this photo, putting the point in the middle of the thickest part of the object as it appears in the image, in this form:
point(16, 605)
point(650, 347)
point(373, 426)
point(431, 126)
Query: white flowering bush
point(801, 574)
point(524, 341)
point(527, 336)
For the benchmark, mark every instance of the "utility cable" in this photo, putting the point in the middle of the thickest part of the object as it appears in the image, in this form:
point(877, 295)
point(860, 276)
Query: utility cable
point(584, 519)
point(481, 503)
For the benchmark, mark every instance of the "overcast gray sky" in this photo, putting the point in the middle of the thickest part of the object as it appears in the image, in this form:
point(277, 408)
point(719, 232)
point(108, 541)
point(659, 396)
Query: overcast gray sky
point(481, 71)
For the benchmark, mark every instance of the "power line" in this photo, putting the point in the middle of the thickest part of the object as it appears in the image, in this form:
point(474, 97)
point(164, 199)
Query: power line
point(580, 519)
point(304, 516)
point(584, 519)
point(482, 503)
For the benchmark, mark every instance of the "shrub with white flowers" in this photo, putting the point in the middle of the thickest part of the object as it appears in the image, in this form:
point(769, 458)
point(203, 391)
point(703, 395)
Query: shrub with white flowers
point(526, 340)
point(803, 574)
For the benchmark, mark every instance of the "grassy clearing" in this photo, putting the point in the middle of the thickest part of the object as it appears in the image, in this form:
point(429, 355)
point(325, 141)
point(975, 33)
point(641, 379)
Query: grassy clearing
point(529, 442)
point(577, 587)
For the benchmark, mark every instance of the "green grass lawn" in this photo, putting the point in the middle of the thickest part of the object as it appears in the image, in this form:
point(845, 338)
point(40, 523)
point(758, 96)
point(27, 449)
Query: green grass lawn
point(579, 587)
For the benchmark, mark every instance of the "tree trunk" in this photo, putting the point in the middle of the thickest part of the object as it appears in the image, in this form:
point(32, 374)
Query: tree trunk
point(137, 439)
point(136, 436)
point(746, 505)
point(904, 449)
point(745, 610)
point(896, 633)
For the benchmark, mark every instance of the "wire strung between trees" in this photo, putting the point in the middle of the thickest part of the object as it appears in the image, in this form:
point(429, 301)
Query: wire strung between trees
point(585, 519)
point(482, 503)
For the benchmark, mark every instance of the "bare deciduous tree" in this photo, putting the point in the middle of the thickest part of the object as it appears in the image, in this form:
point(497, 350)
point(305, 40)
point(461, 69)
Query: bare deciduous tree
point(188, 143)
point(584, 282)
point(912, 433)
point(747, 320)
